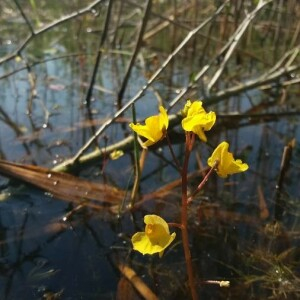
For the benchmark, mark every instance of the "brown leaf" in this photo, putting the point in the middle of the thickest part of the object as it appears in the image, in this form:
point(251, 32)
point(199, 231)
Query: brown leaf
point(62, 185)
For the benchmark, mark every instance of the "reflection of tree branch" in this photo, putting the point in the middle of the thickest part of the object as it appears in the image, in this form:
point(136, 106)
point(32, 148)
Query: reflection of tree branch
point(26, 258)
point(9, 122)
point(32, 84)
point(48, 27)
point(35, 63)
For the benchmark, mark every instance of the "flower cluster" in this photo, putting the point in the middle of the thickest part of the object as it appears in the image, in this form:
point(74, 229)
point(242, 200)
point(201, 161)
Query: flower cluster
point(196, 120)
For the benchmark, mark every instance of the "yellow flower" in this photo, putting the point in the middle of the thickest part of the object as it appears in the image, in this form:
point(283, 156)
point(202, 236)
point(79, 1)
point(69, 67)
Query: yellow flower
point(154, 129)
point(116, 154)
point(227, 165)
point(156, 237)
point(197, 119)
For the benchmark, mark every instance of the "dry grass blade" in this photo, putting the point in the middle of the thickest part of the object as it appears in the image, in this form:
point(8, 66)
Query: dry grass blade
point(61, 185)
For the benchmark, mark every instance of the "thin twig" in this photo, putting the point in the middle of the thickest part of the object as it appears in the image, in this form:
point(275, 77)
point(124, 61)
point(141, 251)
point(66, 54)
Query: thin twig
point(64, 56)
point(202, 183)
point(135, 53)
point(24, 17)
point(99, 53)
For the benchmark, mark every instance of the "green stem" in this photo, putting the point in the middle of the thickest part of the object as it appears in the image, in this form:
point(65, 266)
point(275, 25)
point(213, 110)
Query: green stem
point(136, 163)
point(184, 215)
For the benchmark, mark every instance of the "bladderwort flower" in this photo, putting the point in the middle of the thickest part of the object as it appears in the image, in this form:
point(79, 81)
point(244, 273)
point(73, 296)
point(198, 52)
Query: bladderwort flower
point(156, 237)
point(116, 154)
point(226, 164)
point(155, 127)
point(197, 119)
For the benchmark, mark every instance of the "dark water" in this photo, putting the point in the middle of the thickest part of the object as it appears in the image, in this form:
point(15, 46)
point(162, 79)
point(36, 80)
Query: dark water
point(233, 236)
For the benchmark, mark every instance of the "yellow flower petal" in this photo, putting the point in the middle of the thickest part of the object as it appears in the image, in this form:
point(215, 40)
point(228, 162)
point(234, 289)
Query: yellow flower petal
point(154, 129)
point(197, 119)
point(116, 154)
point(142, 130)
point(156, 237)
point(227, 165)
point(186, 108)
point(164, 119)
point(199, 131)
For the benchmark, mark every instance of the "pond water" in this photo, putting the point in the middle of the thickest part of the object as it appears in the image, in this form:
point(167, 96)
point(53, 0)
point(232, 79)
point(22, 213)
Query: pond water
point(51, 248)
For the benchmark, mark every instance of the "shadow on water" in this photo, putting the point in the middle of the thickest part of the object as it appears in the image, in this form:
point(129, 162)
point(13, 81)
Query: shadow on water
point(244, 229)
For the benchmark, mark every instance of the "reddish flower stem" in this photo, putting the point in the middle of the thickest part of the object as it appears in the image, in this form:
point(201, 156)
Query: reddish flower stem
point(190, 138)
point(204, 180)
